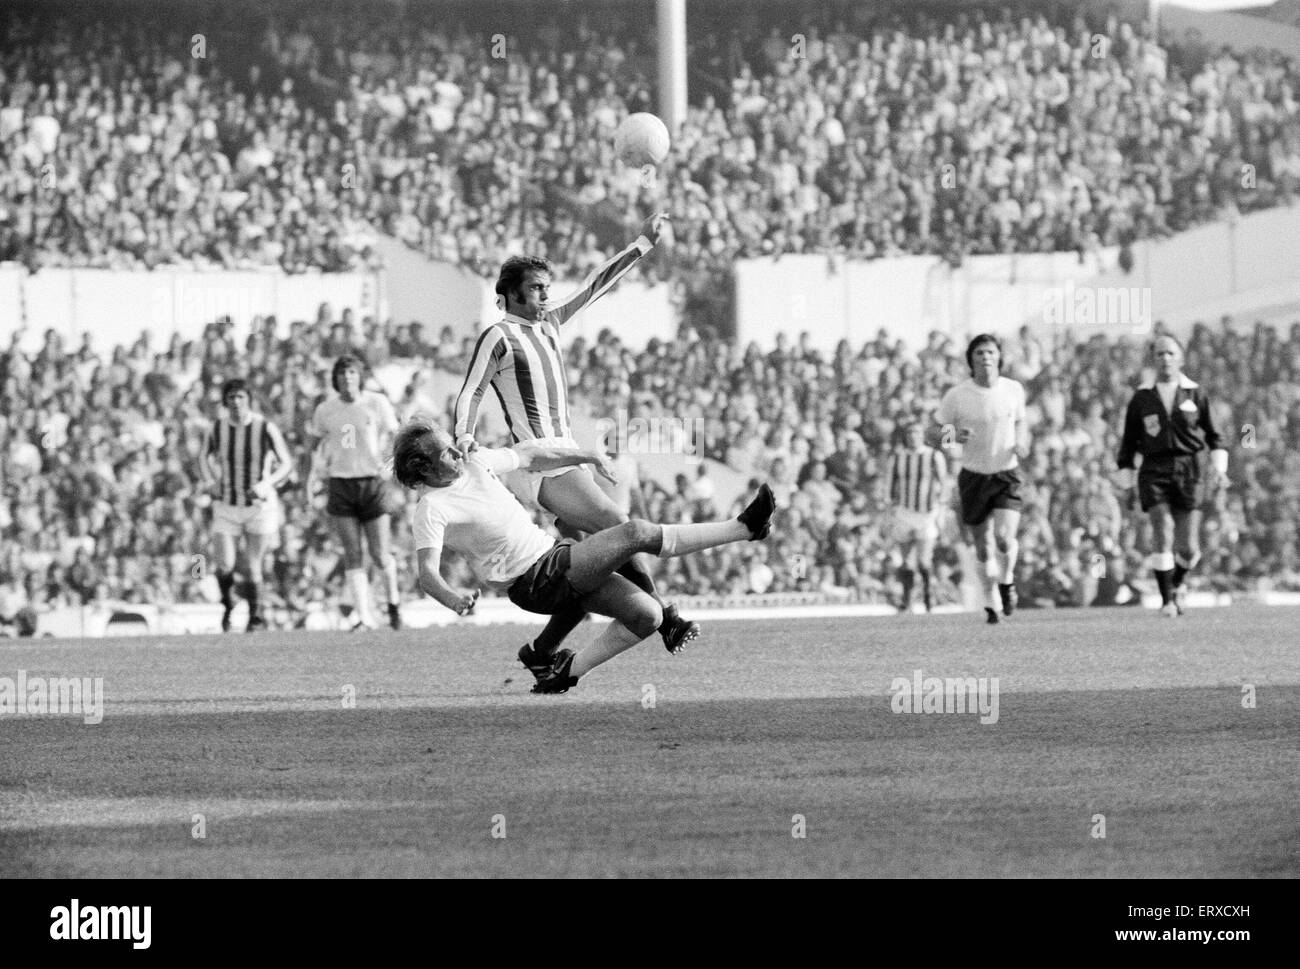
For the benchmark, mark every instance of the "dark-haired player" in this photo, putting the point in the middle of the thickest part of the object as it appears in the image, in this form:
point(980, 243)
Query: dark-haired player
point(520, 359)
point(986, 416)
point(1168, 423)
point(462, 506)
point(244, 459)
point(351, 431)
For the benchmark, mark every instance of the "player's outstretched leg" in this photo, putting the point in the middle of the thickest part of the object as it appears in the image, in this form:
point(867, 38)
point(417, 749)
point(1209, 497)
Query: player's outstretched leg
point(575, 499)
point(592, 572)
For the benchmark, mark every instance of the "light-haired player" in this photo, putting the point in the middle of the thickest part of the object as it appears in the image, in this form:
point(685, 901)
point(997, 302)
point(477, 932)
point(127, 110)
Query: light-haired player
point(1168, 424)
point(463, 506)
point(245, 458)
point(916, 475)
point(351, 431)
point(520, 359)
point(986, 416)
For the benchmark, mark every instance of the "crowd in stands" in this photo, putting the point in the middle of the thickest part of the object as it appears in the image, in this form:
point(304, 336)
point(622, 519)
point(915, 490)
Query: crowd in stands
point(100, 498)
point(842, 129)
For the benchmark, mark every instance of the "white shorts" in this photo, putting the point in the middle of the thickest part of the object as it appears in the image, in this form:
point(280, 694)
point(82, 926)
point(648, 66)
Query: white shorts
point(262, 518)
point(527, 485)
point(918, 526)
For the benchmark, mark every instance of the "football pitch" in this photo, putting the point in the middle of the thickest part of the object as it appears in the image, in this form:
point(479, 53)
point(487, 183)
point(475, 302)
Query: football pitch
point(769, 748)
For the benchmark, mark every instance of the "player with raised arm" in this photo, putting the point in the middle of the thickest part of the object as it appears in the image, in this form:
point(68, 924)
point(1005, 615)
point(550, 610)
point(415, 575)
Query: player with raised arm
point(244, 460)
point(520, 359)
point(916, 475)
point(464, 507)
point(1168, 424)
point(351, 430)
point(986, 416)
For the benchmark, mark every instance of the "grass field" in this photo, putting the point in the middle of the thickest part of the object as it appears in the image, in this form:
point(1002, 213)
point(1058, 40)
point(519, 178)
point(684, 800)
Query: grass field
point(1120, 712)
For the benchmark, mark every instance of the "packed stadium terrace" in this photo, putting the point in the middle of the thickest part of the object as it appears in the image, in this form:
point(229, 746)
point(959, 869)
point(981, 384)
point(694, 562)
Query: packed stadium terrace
point(101, 498)
point(309, 128)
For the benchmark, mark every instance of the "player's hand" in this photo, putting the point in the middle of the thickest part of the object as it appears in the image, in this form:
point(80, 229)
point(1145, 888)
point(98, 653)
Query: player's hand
point(466, 444)
point(604, 468)
point(1124, 479)
point(653, 227)
point(262, 490)
point(1021, 453)
point(466, 603)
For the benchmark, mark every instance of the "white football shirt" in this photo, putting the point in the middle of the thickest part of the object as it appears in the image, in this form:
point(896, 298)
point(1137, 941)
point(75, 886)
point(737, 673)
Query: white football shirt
point(352, 433)
point(990, 414)
point(476, 516)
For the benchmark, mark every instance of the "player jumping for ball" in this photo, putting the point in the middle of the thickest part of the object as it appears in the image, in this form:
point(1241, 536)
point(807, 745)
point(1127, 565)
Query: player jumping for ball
point(986, 415)
point(350, 432)
point(916, 477)
point(1168, 424)
point(462, 506)
point(520, 359)
point(237, 466)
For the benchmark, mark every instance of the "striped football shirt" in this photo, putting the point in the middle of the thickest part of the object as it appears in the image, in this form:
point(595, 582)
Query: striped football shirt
point(914, 478)
point(521, 361)
point(241, 450)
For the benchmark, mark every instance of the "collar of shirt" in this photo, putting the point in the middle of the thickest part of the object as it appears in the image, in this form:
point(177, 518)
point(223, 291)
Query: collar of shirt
point(1184, 383)
point(512, 318)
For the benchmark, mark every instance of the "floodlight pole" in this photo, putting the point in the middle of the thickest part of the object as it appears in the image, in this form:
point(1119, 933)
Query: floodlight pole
point(671, 24)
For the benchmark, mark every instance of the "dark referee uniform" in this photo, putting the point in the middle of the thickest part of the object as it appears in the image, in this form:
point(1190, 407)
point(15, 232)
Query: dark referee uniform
point(1170, 443)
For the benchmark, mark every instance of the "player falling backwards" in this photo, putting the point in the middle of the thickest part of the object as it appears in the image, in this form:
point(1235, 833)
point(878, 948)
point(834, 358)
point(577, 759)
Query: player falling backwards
point(520, 359)
point(916, 476)
point(1168, 424)
point(464, 507)
point(986, 415)
point(244, 459)
point(350, 431)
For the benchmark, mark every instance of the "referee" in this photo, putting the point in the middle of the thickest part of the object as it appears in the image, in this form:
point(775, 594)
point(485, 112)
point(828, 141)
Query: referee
point(1168, 425)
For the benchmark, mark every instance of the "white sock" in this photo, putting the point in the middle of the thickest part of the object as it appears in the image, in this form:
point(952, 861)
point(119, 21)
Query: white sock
point(991, 596)
point(390, 574)
point(615, 639)
point(360, 586)
point(1007, 562)
point(685, 539)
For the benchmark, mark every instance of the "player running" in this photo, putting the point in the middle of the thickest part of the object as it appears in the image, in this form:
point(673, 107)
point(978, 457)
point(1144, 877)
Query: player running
point(244, 460)
point(986, 415)
point(520, 359)
point(464, 507)
point(916, 474)
point(350, 434)
point(1168, 424)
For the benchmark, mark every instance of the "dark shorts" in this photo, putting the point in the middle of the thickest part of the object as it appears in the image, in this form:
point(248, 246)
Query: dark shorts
point(364, 499)
point(1176, 482)
point(545, 587)
point(981, 493)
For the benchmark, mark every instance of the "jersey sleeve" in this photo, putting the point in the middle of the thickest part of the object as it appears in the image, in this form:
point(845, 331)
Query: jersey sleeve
point(947, 412)
point(387, 415)
point(428, 528)
point(1128, 443)
point(499, 461)
point(601, 281)
point(1213, 439)
point(484, 365)
point(313, 427)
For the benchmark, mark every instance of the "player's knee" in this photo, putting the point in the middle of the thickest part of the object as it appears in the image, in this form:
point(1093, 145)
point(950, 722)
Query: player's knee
point(644, 535)
point(647, 617)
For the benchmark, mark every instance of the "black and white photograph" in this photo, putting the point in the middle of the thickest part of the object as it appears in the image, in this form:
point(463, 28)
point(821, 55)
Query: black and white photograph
point(651, 439)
